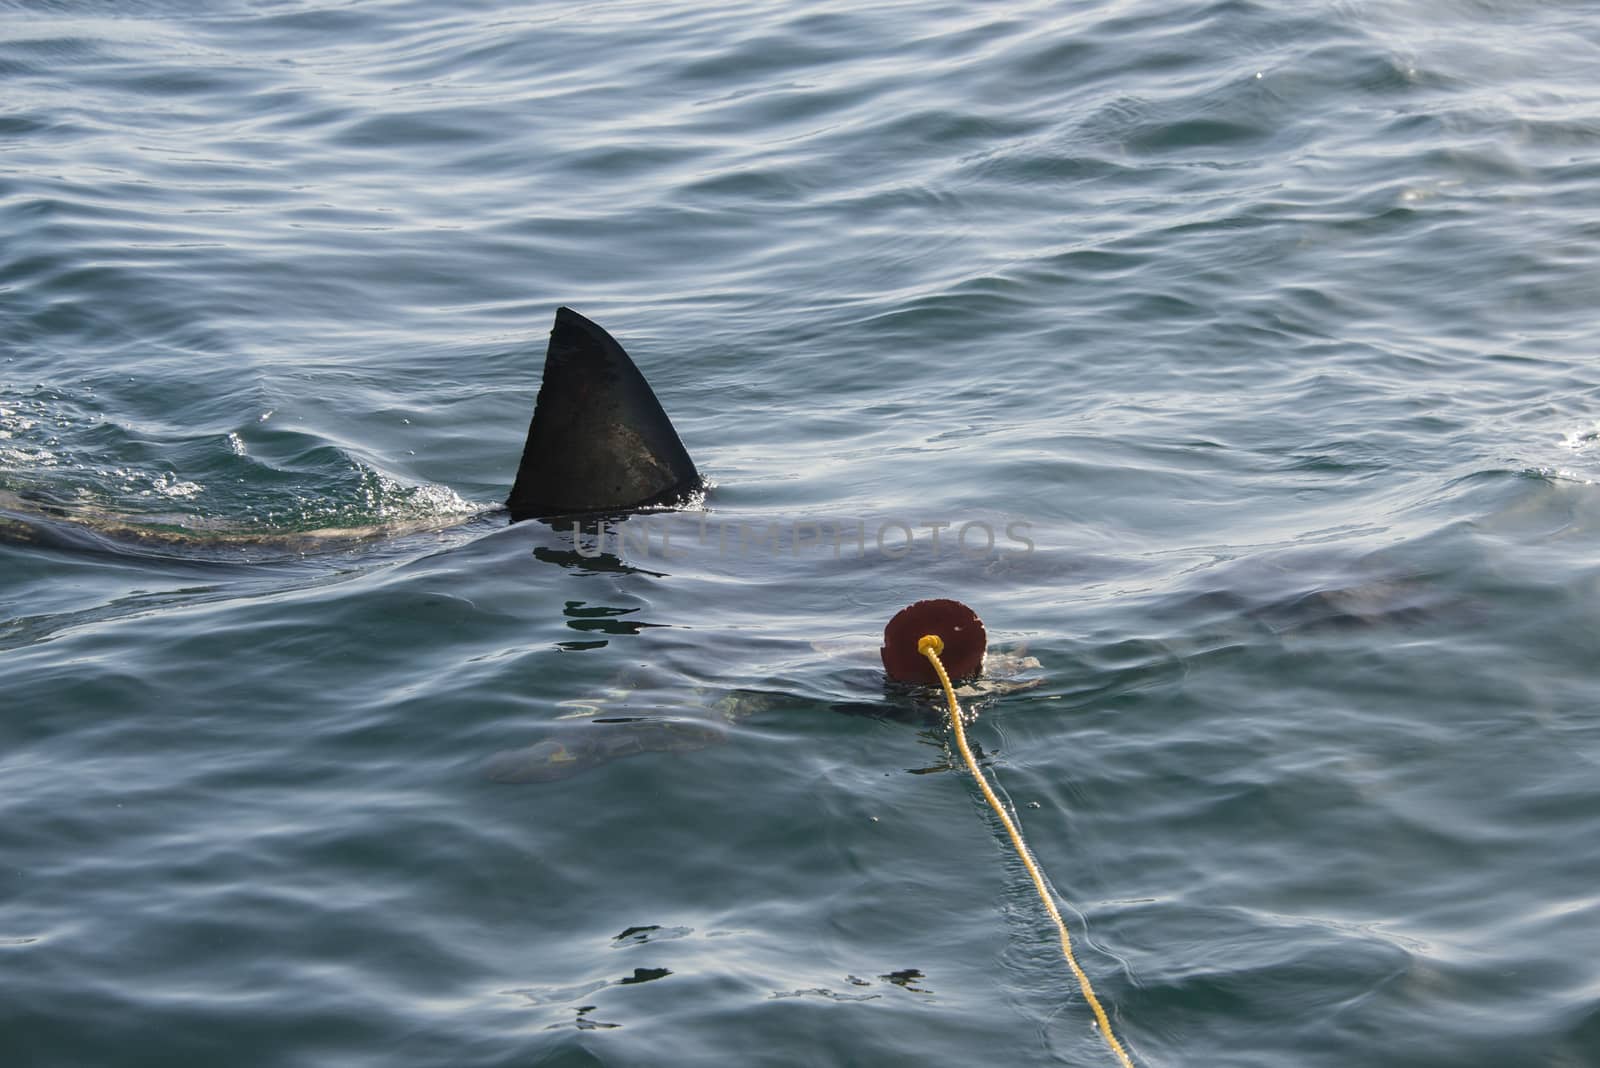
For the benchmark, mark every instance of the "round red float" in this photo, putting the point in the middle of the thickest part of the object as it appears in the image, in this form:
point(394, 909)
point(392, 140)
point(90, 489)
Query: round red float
point(957, 625)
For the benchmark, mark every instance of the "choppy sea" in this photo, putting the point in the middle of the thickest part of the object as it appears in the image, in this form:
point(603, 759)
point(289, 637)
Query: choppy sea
point(1236, 359)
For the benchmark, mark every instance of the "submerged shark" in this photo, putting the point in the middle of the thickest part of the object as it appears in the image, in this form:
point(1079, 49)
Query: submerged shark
point(599, 444)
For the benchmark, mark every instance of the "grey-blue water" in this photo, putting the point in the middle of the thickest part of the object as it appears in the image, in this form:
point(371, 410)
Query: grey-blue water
point(1262, 337)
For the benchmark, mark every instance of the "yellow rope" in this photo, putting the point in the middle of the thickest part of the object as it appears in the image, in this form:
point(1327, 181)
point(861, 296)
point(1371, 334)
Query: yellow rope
point(931, 646)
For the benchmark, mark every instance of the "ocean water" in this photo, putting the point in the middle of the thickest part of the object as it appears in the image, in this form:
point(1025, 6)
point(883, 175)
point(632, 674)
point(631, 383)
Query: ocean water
point(1260, 338)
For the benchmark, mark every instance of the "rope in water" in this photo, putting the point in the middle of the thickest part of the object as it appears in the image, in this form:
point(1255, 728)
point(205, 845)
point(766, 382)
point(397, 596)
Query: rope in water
point(930, 646)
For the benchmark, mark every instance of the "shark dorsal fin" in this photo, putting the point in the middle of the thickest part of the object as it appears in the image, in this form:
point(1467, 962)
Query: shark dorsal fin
point(599, 440)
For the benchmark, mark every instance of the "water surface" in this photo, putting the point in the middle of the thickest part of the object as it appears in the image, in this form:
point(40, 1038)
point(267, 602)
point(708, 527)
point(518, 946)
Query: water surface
point(1268, 327)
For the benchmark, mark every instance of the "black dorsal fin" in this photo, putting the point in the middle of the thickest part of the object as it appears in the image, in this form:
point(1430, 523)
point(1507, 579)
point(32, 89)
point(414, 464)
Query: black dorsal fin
point(599, 440)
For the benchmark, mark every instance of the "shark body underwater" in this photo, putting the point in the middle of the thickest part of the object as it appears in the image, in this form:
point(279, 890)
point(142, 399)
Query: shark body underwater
point(599, 445)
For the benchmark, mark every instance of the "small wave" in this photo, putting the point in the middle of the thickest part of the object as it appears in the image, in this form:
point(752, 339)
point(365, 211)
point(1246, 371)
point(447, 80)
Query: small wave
point(1578, 460)
point(60, 457)
point(1558, 474)
point(378, 500)
point(1580, 441)
point(169, 486)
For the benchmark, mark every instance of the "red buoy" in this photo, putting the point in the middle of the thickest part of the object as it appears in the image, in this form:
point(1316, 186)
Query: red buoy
point(956, 625)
